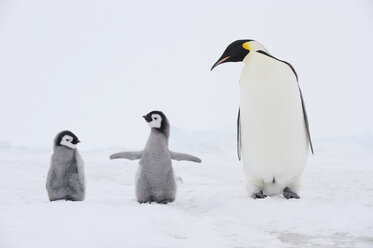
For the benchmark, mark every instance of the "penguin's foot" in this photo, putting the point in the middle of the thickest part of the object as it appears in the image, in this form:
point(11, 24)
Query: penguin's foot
point(149, 200)
point(165, 201)
point(144, 202)
point(288, 194)
point(258, 195)
point(70, 198)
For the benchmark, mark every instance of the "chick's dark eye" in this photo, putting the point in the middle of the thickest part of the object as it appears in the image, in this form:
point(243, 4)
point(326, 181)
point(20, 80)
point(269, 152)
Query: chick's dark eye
point(155, 118)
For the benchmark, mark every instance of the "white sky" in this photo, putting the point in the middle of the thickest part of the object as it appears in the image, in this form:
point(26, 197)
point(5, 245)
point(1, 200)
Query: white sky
point(96, 67)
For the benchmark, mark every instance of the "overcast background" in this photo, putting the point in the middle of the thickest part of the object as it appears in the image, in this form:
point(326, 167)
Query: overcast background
point(96, 67)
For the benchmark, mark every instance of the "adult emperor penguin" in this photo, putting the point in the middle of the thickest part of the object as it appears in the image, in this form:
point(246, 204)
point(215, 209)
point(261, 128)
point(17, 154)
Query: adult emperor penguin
point(65, 180)
point(155, 180)
point(272, 126)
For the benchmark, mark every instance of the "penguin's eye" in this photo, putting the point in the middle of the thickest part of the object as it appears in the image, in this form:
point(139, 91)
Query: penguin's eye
point(155, 118)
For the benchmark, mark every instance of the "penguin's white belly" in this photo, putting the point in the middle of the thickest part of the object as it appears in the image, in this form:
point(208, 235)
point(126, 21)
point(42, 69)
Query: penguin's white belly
point(274, 143)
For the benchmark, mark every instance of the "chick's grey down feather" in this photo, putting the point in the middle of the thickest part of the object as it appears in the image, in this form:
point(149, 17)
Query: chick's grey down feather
point(65, 179)
point(155, 180)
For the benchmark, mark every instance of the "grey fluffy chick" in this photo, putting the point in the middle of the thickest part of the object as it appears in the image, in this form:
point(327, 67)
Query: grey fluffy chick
point(65, 180)
point(155, 180)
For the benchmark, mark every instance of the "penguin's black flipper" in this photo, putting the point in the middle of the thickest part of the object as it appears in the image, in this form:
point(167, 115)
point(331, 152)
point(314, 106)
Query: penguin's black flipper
point(239, 136)
point(306, 119)
point(183, 156)
point(127, 155)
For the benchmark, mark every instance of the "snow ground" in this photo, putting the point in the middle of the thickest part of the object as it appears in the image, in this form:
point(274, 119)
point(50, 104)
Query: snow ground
point(211, 209)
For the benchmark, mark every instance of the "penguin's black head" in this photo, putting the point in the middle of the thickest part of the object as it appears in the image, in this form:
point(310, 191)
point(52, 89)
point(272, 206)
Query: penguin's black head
point(66, 138)
point(235, 52)
point(158, 121)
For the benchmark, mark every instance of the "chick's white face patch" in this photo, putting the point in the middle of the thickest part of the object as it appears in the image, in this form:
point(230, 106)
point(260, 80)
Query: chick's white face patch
point(156, 121)
point(67, 141)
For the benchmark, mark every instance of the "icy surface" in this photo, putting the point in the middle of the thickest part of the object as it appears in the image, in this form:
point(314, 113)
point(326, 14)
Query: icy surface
point(211, 209)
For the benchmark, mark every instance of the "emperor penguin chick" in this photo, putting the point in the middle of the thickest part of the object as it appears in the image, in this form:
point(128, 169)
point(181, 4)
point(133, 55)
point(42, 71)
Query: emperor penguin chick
point(273, 132)
point(65, 180)
point(155, 180)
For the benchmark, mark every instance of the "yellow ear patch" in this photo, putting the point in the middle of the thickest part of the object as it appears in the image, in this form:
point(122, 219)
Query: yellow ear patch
point(246, 46)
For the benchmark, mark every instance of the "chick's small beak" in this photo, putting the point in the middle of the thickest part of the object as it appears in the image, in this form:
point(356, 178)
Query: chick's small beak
point(221, 60)
point(148, 119)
